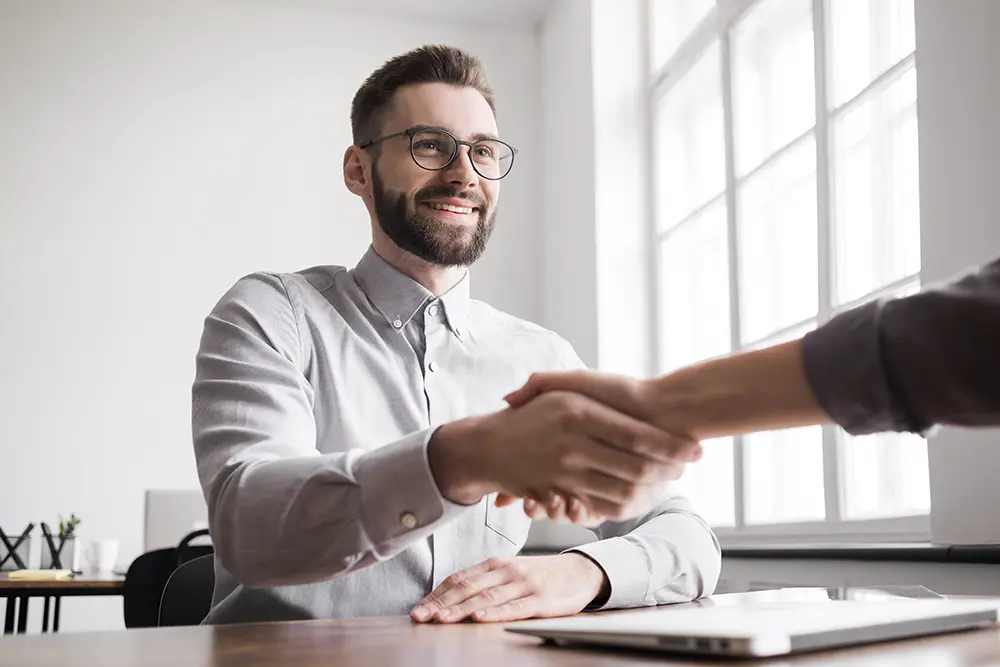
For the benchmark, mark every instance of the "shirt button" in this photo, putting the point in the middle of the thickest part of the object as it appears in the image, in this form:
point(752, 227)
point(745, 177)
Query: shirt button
point(409, 520)
point(397, 323)
point(432, 311)
point(433, 366)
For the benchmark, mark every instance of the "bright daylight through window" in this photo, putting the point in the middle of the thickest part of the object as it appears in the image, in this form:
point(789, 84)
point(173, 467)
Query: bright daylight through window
point(784, 150)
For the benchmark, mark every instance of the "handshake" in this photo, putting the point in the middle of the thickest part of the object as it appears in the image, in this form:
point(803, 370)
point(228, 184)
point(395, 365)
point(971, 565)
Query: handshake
point(588, 447)
point(578, 446)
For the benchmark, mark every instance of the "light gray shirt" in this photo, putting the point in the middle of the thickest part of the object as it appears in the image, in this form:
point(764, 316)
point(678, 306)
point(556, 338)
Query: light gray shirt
point(315, 396)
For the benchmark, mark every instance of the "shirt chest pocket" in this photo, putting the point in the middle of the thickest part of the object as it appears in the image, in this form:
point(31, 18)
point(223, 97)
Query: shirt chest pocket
point(506, 527)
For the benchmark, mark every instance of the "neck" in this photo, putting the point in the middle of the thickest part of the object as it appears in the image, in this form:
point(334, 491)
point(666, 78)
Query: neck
point(436, 279)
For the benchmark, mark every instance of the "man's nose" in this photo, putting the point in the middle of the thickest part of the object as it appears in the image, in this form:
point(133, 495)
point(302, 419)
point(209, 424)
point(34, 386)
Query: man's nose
point(460, 172)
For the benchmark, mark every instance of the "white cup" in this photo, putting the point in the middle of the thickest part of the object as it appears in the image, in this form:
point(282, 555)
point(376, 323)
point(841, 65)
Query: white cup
point(102, 555)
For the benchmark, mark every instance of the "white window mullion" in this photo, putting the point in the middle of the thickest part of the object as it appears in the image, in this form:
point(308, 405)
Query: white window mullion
point(652, 241)
point(831, 449)
point(739, 481)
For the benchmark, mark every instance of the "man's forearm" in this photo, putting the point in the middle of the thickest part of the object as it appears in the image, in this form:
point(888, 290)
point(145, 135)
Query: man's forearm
point(753, 391)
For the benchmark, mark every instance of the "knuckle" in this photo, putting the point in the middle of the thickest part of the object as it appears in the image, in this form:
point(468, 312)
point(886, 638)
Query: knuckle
point(497, 562)
point(518, 570)
point(650, 470)
point(569, 409)
point(566, 454)
point(533, 582)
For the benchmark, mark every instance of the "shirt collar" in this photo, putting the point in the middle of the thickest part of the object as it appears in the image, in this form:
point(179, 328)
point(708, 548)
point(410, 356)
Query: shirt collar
point(398, 297)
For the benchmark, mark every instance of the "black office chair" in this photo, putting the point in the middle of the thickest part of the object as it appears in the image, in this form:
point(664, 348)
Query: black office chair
point(187, 597)
point(148, 574)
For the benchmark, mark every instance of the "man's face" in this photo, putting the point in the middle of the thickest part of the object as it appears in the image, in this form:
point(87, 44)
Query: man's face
point(444, 217)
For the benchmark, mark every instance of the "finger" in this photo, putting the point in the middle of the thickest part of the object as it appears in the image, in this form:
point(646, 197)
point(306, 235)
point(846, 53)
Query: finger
point(515, 610)
point(521, 396)
point(534, 509)
point(580, 514)
point(463, 581)
point(637, 437)
point(503, 500)
point(492, 597)
point(591, 454)
point(556, 506)
point(621, 511)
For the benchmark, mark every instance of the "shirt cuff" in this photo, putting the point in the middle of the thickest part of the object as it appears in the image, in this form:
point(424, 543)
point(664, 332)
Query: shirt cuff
point(846, 367)
point(626, 568)
point(400, 500)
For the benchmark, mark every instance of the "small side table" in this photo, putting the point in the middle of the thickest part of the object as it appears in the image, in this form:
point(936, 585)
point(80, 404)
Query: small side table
point(19, 592)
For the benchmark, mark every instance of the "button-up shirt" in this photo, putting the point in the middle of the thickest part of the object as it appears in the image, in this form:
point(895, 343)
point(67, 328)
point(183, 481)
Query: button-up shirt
point(315, 396)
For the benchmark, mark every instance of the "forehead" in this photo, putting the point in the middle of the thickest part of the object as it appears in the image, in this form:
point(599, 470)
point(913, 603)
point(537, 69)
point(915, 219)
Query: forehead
point(462, 111)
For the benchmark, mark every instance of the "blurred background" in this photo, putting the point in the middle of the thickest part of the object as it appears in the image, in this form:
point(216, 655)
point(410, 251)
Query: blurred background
point(694, 177)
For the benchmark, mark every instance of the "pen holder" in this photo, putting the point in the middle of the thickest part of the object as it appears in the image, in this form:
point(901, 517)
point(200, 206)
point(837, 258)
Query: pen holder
point(21, 549)
point(65, 557)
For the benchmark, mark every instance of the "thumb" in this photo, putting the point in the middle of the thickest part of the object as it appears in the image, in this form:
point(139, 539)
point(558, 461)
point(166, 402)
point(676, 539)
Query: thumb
point(533, 387)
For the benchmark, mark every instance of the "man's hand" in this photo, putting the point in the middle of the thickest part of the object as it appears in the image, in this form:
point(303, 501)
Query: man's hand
point(502, 589)
point(562, 443)
point(626, 395)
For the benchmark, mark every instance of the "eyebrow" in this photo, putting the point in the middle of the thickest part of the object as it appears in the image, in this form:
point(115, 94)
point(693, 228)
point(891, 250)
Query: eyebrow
point(477, 136)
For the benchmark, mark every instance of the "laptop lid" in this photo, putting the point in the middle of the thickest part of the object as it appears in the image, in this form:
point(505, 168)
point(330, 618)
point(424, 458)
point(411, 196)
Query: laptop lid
point(760, 627)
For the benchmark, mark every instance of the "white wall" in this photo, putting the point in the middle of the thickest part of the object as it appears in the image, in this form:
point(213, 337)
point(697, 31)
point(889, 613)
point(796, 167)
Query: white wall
point(567, 201)
point(151, 153)
point(595, 259)
point(958, 98)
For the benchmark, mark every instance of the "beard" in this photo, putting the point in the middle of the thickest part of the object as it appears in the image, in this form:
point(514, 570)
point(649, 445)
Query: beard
point(431, 240)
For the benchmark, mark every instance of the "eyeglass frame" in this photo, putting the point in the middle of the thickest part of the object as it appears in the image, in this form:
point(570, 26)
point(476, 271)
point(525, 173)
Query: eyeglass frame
point(411, 131)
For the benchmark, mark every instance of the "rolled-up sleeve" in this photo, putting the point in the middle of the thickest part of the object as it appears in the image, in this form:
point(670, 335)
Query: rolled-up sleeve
point(910, 363)
point(280, 512)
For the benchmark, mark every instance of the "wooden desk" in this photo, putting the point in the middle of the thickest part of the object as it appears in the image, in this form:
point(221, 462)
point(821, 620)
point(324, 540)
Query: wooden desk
point(18, 593)
point(396, 642)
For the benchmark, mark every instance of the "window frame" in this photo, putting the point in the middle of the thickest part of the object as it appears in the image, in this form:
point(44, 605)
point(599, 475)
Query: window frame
point(716, 27)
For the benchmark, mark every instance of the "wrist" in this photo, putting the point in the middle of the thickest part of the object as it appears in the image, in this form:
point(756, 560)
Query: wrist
point(455, 456)
point(592, 578)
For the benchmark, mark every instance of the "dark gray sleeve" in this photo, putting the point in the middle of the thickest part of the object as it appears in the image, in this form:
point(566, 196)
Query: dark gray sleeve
point(908, 364)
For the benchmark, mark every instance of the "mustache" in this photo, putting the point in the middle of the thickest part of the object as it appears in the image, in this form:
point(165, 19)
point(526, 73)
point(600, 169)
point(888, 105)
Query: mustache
point(434, 192)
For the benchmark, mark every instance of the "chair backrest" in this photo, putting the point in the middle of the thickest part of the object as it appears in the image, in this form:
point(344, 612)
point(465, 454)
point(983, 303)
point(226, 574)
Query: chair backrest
point(143, 588)
point(147, 578)
point(187, 596)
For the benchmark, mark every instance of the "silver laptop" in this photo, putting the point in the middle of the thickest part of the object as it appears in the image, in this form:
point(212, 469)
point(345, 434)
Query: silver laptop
point(770, 623)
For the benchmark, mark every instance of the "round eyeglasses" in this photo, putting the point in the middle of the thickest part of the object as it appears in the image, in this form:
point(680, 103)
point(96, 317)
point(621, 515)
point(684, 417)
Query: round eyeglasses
point(435, 149)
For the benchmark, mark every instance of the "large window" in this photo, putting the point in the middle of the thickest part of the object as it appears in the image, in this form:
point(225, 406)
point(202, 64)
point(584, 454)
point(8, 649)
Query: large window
point(785, 169)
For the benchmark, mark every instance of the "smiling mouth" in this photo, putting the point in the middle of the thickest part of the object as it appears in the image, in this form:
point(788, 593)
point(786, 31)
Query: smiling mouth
point(464, 210)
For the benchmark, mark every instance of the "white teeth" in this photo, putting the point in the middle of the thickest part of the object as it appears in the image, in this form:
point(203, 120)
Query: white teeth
point(449, 207)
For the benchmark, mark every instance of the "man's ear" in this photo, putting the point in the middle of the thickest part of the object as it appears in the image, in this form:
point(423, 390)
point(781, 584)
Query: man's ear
point(355, 175)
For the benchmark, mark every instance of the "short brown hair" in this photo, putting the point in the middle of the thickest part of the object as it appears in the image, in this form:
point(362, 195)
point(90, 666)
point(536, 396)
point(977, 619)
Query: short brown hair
point(428, 64)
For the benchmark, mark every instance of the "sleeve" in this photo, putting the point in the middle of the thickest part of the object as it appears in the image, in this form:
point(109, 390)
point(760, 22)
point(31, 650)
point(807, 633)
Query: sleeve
point(669, 555)
point(280, 512)
point(908, 364)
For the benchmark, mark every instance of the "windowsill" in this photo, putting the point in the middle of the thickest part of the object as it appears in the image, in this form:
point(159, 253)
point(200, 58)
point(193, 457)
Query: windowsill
point(905, 552)
point(912, 552)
